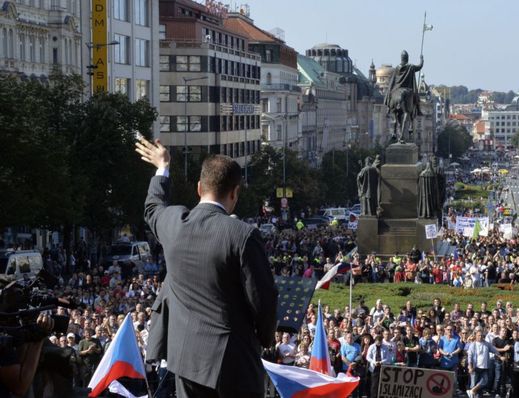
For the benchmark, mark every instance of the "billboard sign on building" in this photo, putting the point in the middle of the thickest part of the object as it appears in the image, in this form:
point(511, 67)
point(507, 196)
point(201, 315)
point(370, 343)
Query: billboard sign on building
point(99, 46)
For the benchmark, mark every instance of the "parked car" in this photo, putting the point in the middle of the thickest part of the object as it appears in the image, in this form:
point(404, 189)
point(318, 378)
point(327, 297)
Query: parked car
point(20, 263)
point(316, 221)
point(339, 213)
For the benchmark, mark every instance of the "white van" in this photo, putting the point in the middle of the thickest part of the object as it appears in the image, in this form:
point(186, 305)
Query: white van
point(20, 263)
point(129, 251)
point(341, 214)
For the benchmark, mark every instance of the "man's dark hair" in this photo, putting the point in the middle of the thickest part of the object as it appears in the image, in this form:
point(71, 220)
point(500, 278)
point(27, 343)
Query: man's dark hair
point(220, 175)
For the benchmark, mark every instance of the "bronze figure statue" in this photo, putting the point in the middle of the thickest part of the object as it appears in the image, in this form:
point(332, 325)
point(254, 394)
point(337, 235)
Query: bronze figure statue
point(402, 97)
point(368, 185)
point(428, 198)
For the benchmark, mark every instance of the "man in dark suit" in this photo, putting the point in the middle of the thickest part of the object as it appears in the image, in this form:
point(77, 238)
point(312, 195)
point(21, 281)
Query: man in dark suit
point(217, 305)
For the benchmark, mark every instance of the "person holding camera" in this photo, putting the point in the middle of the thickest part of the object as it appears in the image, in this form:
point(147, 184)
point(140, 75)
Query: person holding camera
point(18, 366)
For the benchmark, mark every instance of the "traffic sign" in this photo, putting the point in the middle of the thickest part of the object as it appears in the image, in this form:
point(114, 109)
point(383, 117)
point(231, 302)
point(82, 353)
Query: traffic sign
point(284, 193)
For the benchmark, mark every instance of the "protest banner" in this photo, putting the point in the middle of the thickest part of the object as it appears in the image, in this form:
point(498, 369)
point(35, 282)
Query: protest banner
point(403, 382)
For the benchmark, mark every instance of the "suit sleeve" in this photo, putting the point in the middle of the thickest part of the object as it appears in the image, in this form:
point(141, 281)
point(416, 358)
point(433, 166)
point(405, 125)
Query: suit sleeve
point(260, 290)
point(156, 205)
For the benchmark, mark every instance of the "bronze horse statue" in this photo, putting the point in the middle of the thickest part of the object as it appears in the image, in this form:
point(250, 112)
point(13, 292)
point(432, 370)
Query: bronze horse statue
point(402, 98)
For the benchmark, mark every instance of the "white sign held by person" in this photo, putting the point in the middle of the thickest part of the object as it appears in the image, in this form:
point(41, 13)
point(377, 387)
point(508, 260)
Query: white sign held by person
point(431, 231)
point(403, 382)
point(465, 225)
point(353, 225)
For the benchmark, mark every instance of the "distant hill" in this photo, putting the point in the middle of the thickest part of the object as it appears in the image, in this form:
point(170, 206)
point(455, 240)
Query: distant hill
point(462, 95)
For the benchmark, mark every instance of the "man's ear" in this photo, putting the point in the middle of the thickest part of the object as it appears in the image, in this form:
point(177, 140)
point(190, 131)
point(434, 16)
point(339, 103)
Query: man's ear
point(235, 192)
point(199, 189)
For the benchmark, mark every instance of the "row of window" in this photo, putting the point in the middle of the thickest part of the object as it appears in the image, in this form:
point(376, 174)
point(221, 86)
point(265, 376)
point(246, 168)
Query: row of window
point(121, 11)
point(509, 131)
point(195, 63)
point(195, 123)
point(208, 94)
point(33, 48)
point(142, 87)
point(504, 117)
point(71, 5)
point(224, 39)
point(122, 51)
point(504, 123)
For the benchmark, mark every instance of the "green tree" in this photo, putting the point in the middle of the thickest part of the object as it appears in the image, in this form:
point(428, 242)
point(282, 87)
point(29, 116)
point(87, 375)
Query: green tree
point(515, 140)
point(35, 125)
point(105, 158)
point(265, 174)
point(339, 171)
point(454, 140)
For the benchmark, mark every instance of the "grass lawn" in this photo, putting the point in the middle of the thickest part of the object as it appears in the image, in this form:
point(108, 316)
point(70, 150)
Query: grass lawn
point(466, 191)
point(421, 295)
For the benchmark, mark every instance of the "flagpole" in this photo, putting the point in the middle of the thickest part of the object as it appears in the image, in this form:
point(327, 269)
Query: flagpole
point(423, 31)
point(421, 47)
point(351, 288)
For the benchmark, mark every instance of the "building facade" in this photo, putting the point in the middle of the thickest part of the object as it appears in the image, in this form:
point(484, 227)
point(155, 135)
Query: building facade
point(280, 94)
point(132, 41)
point(365, 119)
point(209, 83)
point(325, 103)
point(37, 36)
point(501, 125)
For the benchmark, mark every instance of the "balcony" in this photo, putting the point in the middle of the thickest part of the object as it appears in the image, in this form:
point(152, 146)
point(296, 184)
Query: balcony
point(281, 87)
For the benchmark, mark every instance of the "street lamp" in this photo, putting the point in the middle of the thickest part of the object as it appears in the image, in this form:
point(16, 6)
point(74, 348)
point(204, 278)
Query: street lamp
point(186, 125)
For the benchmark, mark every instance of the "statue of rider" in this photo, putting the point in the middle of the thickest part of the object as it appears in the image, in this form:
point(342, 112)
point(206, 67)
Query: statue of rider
point(403, 79)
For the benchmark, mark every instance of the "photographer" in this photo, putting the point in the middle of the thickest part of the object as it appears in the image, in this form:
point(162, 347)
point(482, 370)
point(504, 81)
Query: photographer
point(17, 367)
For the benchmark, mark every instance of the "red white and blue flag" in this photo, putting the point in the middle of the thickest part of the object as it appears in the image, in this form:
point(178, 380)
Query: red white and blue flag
point(295, 382)
point(340, 268)
point(122, 360)
point(320, 357)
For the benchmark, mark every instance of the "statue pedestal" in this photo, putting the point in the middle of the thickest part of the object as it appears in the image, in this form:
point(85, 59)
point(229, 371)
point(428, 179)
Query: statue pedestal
point(398, 228)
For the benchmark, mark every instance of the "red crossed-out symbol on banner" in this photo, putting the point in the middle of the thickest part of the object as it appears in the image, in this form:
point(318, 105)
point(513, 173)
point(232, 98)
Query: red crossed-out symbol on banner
point(438, 384)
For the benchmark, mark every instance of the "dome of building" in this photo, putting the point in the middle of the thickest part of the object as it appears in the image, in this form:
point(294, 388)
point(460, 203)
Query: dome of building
point(385, 71)
point(332, 57)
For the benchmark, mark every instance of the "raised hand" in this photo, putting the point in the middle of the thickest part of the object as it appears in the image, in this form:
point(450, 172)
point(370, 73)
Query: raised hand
point(154, 153)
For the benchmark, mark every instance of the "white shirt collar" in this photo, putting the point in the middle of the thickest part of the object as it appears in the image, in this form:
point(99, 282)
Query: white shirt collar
point(214, 203)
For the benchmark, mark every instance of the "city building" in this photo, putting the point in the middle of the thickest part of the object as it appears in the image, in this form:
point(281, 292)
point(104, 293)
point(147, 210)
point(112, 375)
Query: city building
point(131, 37)
point(501, 125)
point(38, 36)
point(366, 121)
point(383, 76)
point(280, 94)
point(324, 114)
point(425, 134)
point(209, 83)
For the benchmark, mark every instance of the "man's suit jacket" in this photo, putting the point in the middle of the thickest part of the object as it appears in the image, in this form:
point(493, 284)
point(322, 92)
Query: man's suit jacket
point(217, 305)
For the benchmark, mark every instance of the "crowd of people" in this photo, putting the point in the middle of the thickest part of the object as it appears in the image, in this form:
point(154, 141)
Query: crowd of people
point(480, 343)
point(428, 337)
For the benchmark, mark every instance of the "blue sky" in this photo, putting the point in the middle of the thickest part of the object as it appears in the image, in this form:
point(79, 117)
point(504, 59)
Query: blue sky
point(474, 42)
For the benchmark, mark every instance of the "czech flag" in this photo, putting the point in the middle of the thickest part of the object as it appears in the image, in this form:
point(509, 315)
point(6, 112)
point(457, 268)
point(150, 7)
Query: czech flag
point(294, 382)
point(320, 357)
point(122, 360)
point(340, 268)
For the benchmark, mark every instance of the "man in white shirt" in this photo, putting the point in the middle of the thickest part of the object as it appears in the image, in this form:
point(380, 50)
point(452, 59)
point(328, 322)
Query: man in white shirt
point(287, 350)
point(377, 312)
point(377, 356)
point(478, 364)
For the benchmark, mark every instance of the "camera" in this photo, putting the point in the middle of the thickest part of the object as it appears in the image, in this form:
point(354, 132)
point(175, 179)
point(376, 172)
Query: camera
point(21, 302)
